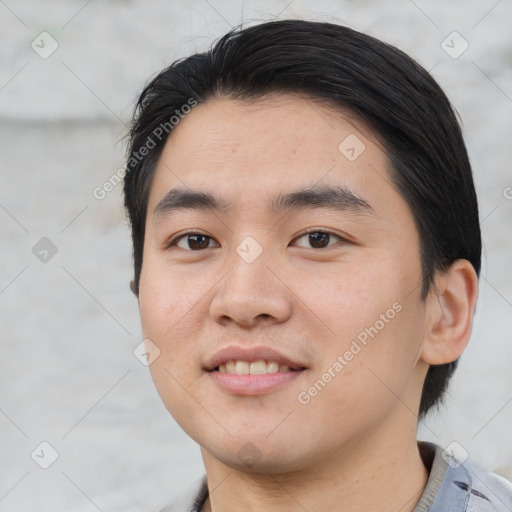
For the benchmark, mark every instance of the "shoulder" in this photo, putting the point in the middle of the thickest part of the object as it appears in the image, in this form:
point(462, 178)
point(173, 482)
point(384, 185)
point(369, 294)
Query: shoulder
point(466, 487)
point(494, 491)
point(191, 500)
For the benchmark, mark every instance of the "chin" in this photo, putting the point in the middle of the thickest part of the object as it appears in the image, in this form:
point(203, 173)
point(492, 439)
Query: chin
point(251, 459)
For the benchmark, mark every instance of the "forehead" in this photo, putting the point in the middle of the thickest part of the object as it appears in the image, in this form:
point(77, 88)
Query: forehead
point(279, 143)
point(271, 130)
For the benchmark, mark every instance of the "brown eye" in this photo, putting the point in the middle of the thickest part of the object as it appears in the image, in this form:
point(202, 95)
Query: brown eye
point(318, 239)
point(192, 241)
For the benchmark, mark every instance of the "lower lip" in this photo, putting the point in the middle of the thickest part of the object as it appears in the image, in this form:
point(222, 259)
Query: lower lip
point(253, 384)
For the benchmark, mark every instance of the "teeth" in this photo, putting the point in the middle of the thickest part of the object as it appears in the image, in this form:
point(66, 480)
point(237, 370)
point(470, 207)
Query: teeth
point(259, 367)
point(272, 367)
point(242, 368)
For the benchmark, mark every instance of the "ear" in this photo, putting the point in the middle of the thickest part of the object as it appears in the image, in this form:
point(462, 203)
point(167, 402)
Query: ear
point(133, 288)
point(450, 308)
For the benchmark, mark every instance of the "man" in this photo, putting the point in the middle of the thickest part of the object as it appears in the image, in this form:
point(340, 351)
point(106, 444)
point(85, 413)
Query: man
point(306, 251)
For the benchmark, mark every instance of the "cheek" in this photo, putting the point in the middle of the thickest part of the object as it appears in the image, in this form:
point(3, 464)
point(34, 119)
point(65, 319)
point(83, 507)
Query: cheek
point(166, 317)
point(344, 300)
point(358, 384)
point(373, 331)
point(168, 310)
point(166, 297)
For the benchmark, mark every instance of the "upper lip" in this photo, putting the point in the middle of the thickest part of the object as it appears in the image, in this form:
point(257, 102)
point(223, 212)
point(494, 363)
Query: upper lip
point(238, 353)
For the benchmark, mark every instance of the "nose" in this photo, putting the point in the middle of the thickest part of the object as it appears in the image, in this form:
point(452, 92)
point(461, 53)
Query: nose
point(252, 293)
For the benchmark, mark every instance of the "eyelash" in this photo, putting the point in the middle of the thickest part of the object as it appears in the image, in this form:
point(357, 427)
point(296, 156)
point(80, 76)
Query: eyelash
point(176, 239)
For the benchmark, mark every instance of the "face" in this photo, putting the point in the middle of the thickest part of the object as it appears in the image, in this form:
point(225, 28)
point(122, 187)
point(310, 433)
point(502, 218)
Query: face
point(286, 307)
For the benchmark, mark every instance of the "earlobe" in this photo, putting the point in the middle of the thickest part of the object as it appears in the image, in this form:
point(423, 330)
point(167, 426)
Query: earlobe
point(450, 308)
point(133, 288)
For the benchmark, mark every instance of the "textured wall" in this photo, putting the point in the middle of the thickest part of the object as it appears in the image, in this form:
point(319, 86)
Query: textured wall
point(69, 324)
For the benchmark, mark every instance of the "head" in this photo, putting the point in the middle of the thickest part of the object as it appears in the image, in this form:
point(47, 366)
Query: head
point(282, 127)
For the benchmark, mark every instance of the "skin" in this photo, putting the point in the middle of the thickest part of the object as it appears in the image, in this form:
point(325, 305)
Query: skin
point(356, 439)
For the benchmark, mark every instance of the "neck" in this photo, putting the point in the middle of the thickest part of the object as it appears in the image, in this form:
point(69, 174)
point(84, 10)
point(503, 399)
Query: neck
point(374, 474)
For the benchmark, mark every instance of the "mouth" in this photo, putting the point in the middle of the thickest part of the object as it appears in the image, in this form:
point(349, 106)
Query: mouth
point(255, 371)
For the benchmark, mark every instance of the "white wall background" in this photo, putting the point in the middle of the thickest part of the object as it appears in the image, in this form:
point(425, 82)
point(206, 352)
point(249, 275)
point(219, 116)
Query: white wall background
point(68, 326)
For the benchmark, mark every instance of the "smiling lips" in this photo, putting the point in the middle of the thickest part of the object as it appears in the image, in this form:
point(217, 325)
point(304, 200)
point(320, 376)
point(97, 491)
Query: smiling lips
point(251, 371)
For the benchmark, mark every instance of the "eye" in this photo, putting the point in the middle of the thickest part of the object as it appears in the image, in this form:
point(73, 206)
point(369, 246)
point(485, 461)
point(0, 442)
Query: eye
point(314, 238)
point(318, 239)
point(191, 241)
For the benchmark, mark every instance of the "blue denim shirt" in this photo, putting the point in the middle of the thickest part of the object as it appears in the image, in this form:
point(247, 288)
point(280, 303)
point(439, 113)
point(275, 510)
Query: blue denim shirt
point(451, 487)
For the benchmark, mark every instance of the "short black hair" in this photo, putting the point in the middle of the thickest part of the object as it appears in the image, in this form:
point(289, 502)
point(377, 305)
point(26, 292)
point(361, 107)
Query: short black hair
point(380, 85)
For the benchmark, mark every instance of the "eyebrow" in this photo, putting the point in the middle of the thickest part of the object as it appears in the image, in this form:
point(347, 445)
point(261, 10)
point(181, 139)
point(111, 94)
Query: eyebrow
point(337, 198)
